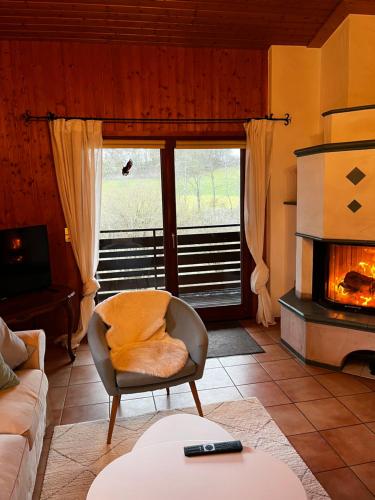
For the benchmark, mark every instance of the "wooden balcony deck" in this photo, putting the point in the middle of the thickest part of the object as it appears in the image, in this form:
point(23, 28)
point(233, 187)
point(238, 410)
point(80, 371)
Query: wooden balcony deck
point(208, 263)
point(213, 298)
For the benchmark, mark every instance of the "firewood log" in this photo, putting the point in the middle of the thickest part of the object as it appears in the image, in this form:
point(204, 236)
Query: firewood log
point(358, 282)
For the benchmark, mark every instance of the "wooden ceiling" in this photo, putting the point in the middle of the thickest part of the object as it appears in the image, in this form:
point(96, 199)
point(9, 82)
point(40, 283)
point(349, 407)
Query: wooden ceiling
point(192, 23)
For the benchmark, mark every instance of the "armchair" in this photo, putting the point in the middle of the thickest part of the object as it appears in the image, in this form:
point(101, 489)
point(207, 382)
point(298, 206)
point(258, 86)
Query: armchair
point(182, 323)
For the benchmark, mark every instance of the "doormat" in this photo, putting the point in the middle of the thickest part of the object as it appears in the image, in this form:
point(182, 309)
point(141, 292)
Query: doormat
point(230, 339)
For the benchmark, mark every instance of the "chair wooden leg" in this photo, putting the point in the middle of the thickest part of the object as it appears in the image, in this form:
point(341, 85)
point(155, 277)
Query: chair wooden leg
point(196, 398)
point(115, 403)
point(168, 391)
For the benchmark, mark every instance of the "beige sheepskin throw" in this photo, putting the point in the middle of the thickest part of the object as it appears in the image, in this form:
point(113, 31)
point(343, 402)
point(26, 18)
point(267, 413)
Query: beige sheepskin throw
point(137, 336)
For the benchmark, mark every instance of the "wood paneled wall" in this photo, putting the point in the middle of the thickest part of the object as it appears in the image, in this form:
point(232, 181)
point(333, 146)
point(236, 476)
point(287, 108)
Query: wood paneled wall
point(107, 80)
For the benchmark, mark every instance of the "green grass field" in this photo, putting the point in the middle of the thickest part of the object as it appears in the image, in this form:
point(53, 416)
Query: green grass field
point(129, 202)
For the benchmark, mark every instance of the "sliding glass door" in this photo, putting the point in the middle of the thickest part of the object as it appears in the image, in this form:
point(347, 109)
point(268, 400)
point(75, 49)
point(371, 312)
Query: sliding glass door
point(211, 258)
point(131, 255)
point(174, 222)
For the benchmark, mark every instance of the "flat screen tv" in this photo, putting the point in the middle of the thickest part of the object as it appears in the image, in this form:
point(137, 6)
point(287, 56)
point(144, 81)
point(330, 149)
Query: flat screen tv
point(24, 260)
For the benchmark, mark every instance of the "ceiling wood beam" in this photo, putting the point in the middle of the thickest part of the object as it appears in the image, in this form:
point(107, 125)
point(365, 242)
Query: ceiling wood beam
point(137, 41)
point(339, 15)
point(239, 6)
point(203, 23)
point(144, 36)
point(17, 25)
point(26, 15)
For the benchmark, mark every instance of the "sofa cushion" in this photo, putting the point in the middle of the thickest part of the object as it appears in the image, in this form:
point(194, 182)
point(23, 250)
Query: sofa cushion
point(12, 348)
point(7, 376)
point(12, 449)
point(132, 379)
point(35, 341)
point(20, 406)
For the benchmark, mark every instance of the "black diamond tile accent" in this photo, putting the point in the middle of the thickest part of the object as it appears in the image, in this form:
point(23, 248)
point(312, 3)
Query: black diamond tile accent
point(354, 206)
point(356, 175)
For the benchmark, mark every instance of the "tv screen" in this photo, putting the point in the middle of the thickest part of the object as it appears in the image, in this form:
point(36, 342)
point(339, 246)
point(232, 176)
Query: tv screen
point(24, 260)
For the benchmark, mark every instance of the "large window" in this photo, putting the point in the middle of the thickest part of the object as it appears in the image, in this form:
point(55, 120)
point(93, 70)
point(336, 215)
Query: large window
point(174, 221)
point(131, 201)
point(208, 201)
point(207, 186)
point(131, 243)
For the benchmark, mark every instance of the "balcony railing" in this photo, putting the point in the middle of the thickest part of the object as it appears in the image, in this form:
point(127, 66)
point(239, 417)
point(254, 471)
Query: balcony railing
point(208, 261)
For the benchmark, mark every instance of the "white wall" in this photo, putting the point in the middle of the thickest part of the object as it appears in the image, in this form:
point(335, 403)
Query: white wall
point(294, 87)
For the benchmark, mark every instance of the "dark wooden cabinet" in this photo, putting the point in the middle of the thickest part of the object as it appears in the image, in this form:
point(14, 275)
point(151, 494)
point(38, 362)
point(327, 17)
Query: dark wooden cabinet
point(26, 310)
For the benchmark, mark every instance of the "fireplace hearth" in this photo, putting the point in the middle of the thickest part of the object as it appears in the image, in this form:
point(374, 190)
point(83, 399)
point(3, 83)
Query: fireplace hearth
point(330, 314)
point(344, 276)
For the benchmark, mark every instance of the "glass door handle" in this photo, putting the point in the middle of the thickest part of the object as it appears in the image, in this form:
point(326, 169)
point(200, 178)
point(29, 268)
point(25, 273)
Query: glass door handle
point(173, 240)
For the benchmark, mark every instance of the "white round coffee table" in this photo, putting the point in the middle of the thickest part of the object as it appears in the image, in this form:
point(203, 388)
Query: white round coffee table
point(182, 427)
point(157, 469)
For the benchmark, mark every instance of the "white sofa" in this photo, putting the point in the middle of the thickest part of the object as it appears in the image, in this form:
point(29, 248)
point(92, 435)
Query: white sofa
point(23, 423)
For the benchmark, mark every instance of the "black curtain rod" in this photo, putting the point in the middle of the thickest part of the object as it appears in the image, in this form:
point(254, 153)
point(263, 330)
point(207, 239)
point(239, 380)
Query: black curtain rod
point(28, 117)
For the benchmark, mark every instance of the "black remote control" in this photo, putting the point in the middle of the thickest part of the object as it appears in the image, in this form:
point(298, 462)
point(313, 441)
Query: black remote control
point(212, 448)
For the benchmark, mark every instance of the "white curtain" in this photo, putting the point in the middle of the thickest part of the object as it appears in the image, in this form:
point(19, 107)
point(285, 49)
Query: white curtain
point(77, 153)
point(257, 176)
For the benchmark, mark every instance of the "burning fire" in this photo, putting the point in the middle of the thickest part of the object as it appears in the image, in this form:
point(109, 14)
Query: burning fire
point(352, 282)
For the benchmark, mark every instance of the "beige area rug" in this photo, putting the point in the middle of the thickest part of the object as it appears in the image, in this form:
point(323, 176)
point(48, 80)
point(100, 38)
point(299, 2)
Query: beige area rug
point(79, 452)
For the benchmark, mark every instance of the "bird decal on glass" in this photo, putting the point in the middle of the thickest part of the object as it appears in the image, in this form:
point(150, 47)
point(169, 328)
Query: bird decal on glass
point(126, 168)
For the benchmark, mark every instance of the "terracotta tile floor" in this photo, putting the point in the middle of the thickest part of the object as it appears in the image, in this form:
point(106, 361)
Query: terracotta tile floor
point(328, 417)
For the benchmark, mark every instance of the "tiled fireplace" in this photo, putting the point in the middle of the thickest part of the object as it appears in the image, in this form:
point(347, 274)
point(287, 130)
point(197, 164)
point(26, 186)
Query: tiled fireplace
point(344, 276)
point(331, 312)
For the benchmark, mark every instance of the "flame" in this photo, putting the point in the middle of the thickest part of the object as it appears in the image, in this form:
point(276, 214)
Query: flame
point(365, 266)
point(366, 300)
point(15, 243)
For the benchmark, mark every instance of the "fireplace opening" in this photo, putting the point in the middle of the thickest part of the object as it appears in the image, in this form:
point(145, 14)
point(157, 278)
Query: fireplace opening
point(360, 363)
point(344, 276)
